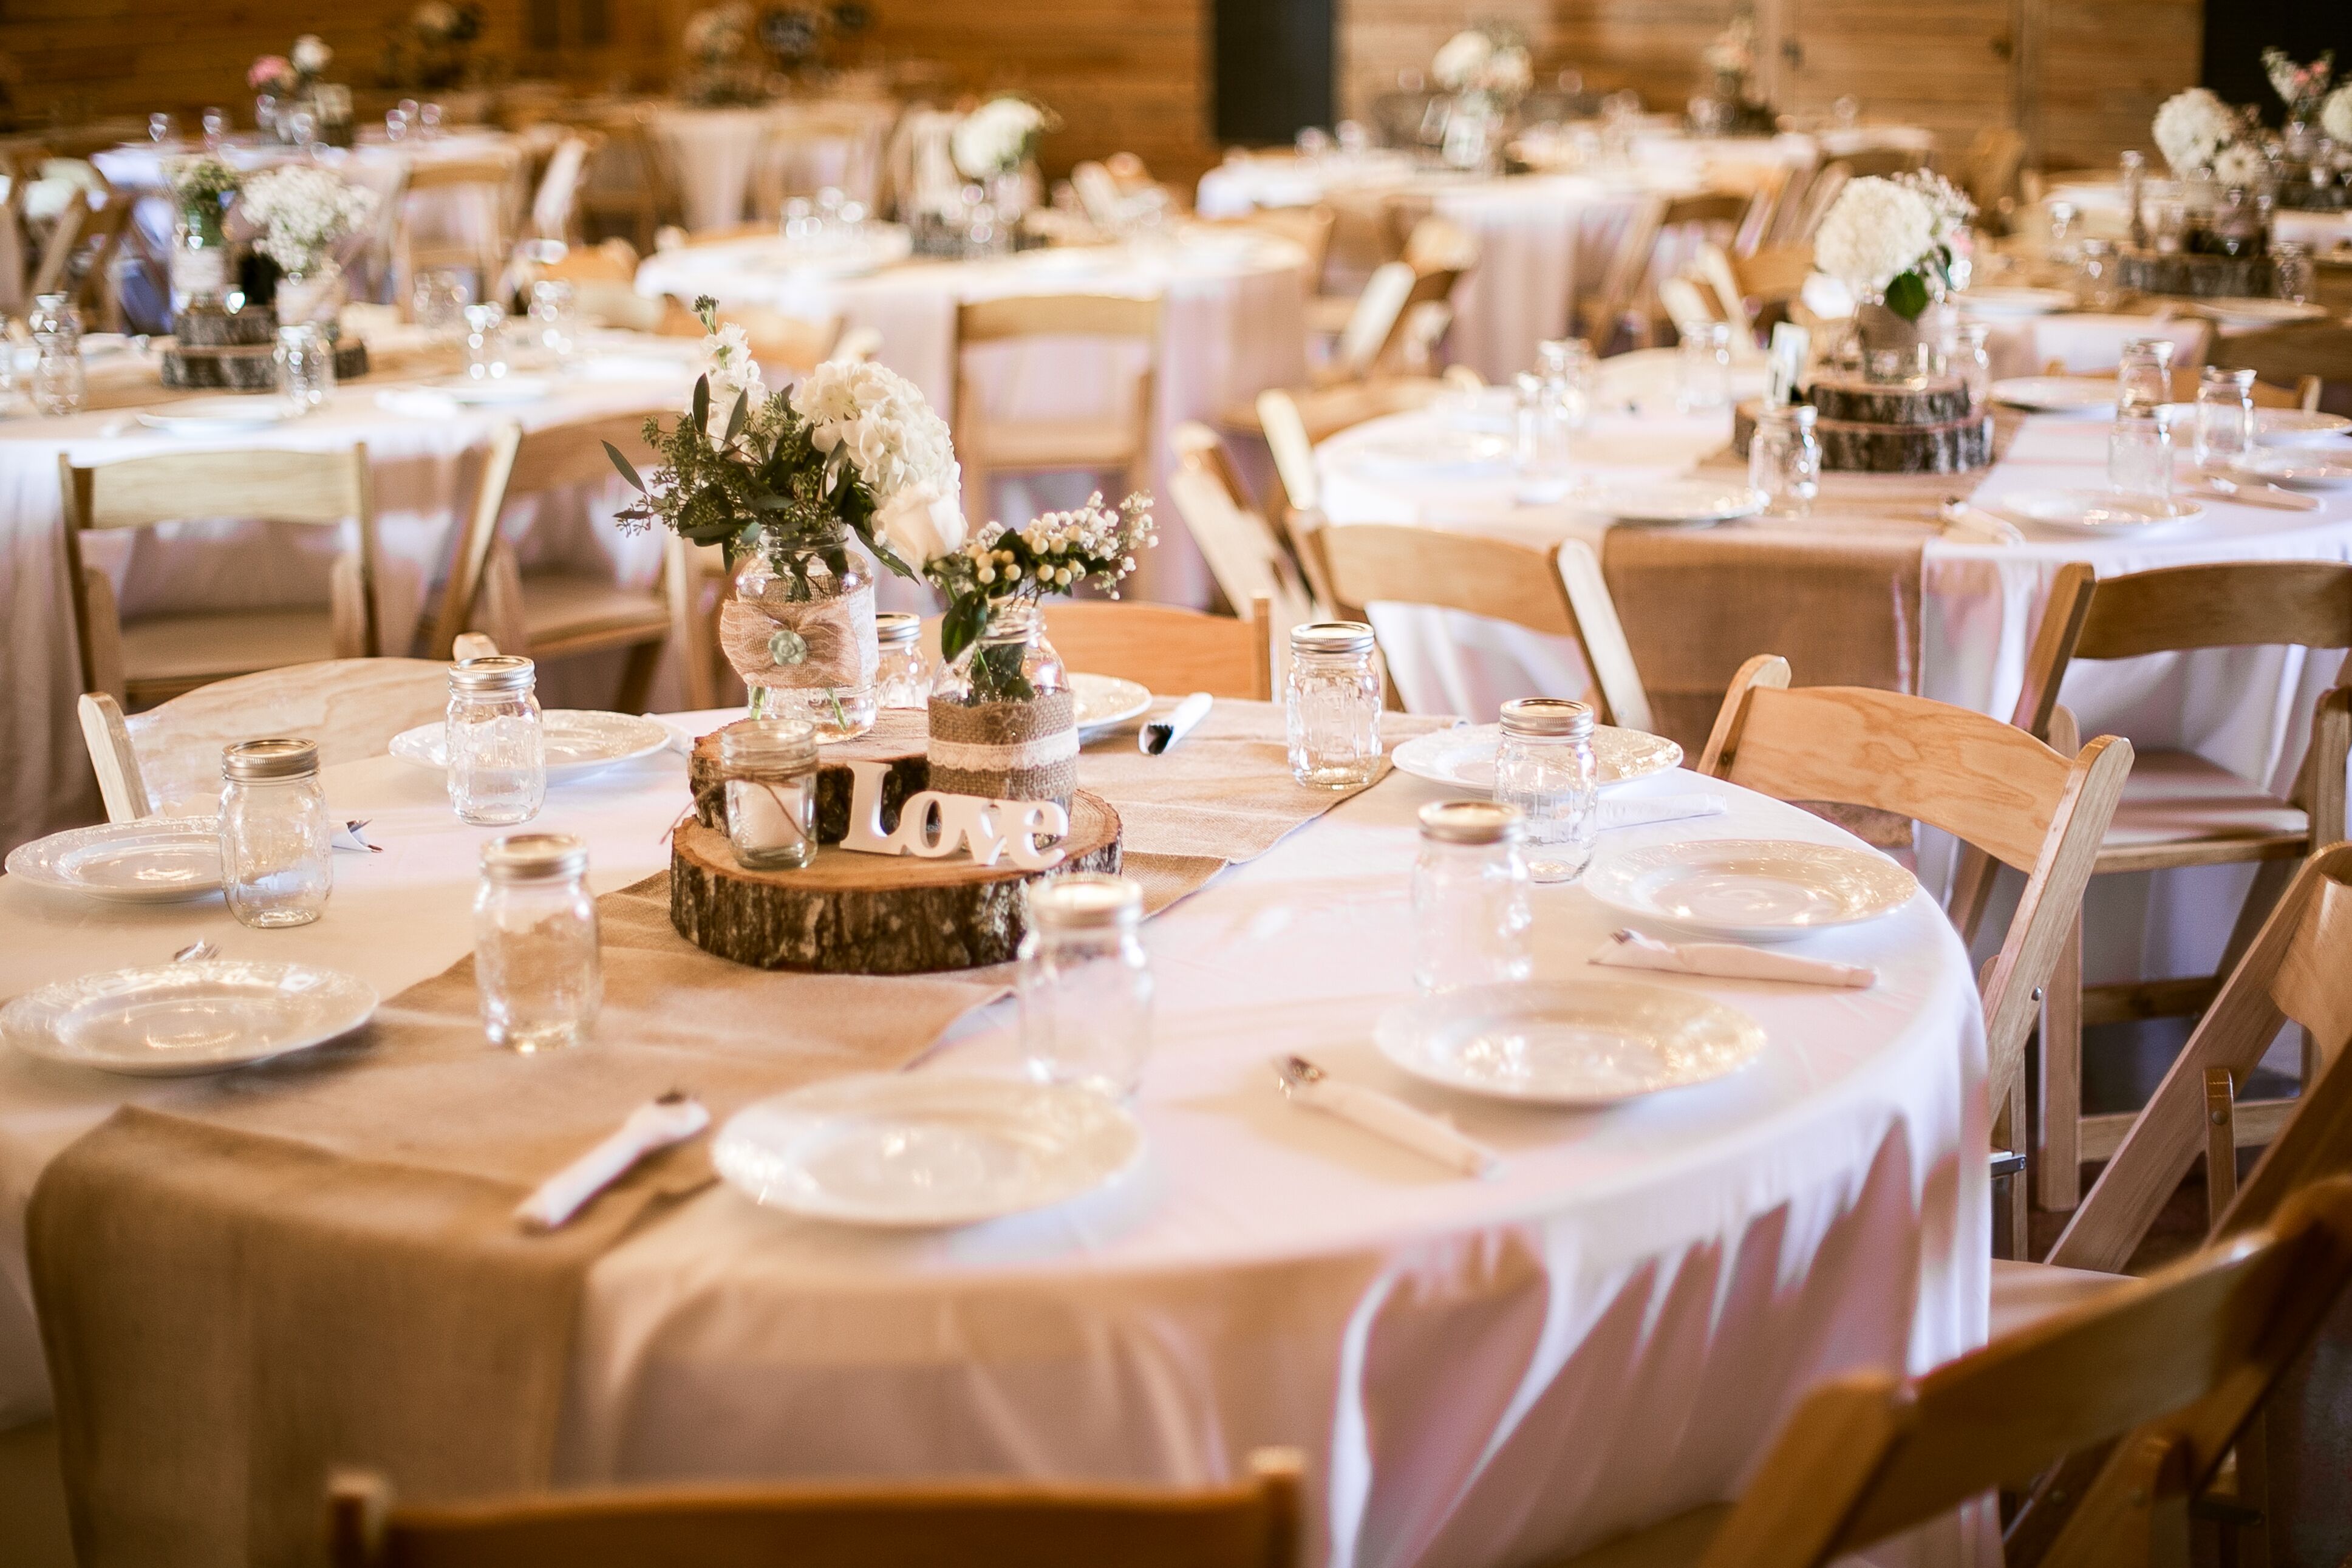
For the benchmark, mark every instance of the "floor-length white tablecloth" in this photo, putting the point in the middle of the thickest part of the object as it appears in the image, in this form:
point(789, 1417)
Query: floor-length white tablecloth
point(731, 164)
point(1479, 1373)
point(1231, 327)
point(426, 465)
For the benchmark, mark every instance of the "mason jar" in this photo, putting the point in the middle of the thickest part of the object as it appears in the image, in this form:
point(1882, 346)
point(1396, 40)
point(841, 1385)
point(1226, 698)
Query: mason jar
point(901, 677)
point(2139, 454)
point(276, 838)
point(1470, 914)
point(60, 383)
point(496, 746)
point(1784, 460)
point(306, 367)
point(535, 959)
point(2144, 378)
point(800, 630)
point(1544, 767)
point(1973, 362)
point(769, 769)
point(2225, 417)
point(1568, 375)
point(1084, 984)
point(1331, 705)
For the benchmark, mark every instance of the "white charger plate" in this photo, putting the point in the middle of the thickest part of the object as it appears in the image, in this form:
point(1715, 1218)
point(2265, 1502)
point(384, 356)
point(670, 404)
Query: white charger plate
point(1687, 503)
point(1595, 1043)
point(2080, 396)
point(2232, 311)
point(1433, 451)
point(495, 392)
point(2013, 303)
point(579, 741)
point(2303, 468)
point(155, 860)
point(2103, 513)
point(925, 1149)
point(2273, 426)
point(1105, 702)
point(1464, 756)
point(175, 1020)
point(1751, 890)
point(220, 416)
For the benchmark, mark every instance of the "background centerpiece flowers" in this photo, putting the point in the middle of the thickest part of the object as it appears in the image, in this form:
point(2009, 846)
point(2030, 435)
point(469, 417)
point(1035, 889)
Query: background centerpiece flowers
point(1892, 241)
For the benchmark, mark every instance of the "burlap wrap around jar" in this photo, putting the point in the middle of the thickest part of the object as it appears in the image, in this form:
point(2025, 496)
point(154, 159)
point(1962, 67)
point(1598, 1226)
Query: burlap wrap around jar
point(1004, 722)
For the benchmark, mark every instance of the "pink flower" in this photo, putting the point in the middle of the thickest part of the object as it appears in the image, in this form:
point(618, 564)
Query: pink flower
point(269, 72)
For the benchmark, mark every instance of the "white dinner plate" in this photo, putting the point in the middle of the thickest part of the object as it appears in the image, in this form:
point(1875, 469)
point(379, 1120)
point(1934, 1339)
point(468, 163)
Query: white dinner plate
point(220, 416)
point(2304, 468)
point(579, 741)
point(1464, 756)
point(2076, 394)
point(2013, 304)
point(2251, 312)
point(925, 1149)
point(172, 1020)
point(1433, 452)
point(2101, 512)
point(2273, 426)
point(1105, 702)
point(495, 392)
point(156, 860)
point(1594, 1043)
point(1688, 503)
point(1751, 890)
point(886, 244)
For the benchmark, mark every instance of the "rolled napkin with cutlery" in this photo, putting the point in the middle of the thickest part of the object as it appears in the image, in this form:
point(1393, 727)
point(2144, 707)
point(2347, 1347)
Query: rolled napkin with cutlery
point(351, 836)
point(1640, 812)
point(651, 1127)
point(1159, 736)
point(1728, 961)
point(2251, 492)
point(1303, 1083)
point(1974, 525)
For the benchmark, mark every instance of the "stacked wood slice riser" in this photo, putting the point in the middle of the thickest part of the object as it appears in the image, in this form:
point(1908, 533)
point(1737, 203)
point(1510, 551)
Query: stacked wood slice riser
point(2190, 275)
point(1888, 428)
point(235, 351)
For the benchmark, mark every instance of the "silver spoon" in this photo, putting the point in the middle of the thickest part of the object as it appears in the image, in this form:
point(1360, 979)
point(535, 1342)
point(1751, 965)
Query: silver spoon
point(196, 952)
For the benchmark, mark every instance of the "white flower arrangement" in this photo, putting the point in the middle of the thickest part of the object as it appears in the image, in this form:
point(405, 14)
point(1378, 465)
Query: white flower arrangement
point(1055, 553)
point(1876, 232)
point(2192, 128)
point(2239, 163)
point(719, 35)
point(2299, 87)
point(1733, 51)
point(998, 137)
point(300, 212)
point(1486, 60)
point(727, 361)
point(875, 424)
point(1947, 201)
point(312, 55)
point(2336, 115)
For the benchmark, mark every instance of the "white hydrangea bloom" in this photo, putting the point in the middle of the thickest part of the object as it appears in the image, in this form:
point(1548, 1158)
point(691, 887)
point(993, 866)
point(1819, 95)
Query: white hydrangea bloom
point(1461, 58)
point(2336, 115)
point(311, 54)
point(994, 138)
point(1507, 71)
point(2192, 128)
point(876, 421)
point(2240, 164)
point(1876, 230)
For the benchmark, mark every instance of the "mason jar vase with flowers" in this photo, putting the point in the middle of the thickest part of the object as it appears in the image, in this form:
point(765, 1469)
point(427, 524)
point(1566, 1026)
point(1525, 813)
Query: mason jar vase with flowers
point(301, 214)
point(201, 188)
point(1894, 243)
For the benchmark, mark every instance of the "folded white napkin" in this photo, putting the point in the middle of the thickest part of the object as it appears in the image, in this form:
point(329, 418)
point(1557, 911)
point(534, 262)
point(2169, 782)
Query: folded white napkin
point(1641, 812)
point(1398, 1122)
point(1632, 950)
point(349, 836)
point(656, 1124)
point(417, 403)
point(1974, 525)
point(1159, 736)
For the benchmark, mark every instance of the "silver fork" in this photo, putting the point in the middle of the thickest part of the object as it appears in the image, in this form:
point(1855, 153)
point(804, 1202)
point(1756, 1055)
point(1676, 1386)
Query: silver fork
point(196, 951)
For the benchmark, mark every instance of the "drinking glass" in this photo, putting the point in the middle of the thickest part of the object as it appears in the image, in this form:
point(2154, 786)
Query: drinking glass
point(2291, 270)
point(2139, 454)
point(1705, 367)
point(485, 340)
point(1784, 459)
point(428, 119)
point(1568, 374)
point(536, 964)
point(496, 746)
point(161, 130)
point(1085, 984)
point(275, 836)
point(305, 366)
point(301, 123)
point(1331, 705)
point(396, 125)
point(438, 298)
point(216, 127)
point(1972, 362)
point(1542, 434)
point(555, 316)
point(58, 380)
point(2225, 417)
point(1470, 913)
point(2133, 168)
point(2144, 377)
point(2095, 274)
point(1544, 767)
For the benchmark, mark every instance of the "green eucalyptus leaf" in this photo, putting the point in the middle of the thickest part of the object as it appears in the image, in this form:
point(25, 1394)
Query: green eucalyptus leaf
point(702, 404)
point(736, 420)
point(1907, 295)
point(628, 469)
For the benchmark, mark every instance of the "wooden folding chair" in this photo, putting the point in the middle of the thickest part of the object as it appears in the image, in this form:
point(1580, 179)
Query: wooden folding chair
point(2183, 1357)
point(1296, 422)
point(1309, 228)
point(160, 656)
point(1994, 787)
point(171, 754)
point(483, 191)
point(1559, 591)
point(2316, 358)
point(1255, 1522)
point(546, 614)
point(1172, 651)
point(1118, 440)
point(2177, 810)
point(627, 192)
point(1247, 557)
point(555, 204)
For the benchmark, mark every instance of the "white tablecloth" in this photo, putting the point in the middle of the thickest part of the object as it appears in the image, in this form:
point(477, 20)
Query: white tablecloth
point(426, 467)
point(1606, 1333)
point(1230, 327)
point(719, 156)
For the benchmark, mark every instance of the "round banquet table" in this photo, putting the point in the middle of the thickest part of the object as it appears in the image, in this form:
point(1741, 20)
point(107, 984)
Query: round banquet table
point(2247, 709)
point(1606, 1334)
point(425, 454)
point(731, 161)
point(1230, 327)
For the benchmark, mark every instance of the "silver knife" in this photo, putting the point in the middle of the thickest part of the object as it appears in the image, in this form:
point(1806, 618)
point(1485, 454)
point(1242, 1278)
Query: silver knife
point(1303, 1083)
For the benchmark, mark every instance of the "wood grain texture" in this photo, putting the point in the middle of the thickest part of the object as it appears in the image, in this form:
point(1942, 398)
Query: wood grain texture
point(897, 740)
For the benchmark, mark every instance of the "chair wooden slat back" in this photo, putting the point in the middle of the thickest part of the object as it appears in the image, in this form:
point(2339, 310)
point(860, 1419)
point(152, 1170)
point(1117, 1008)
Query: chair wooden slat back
point(1376, 321)
point(1058, 315)
point(2287, 356)
point(1559, 591)
point(49, 274)
point(1309, 228)
point(1637, 245)
point(1256, 1522)
point(1118, 437)
point(1821, 193)
point(1868, 1456)
point(1297, 422)
point(1170, 650)
point(1881, 162)
point(2224, 604)
point(1245, 554)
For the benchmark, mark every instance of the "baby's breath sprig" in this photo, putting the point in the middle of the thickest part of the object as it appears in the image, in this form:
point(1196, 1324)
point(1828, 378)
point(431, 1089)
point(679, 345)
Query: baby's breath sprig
point(1057, 553)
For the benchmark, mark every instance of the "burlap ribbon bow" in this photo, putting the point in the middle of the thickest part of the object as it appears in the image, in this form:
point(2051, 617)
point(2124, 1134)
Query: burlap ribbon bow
point(776, 641)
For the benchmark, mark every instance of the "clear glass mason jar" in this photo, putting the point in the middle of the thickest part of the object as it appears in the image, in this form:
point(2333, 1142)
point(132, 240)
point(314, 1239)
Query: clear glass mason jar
point(1084, 984)
point(275, 838)
point(1704, 368)
point(305, 356)
point(200, 256)
point(769, 769)
point(902, 678)
point(2144, 378)
point(1004, 722)
point(1331, 705)
point(60, 383)
point(1470, 914)
point(1568, 374)
point(497, 745)
point(2139, 454)
point(2225, 417)
point(485, 340)
point(2293, 275)
point(817, 578)
point(535, 958)
point(1542, 434)
point(1973, 362)
point(1544, 767)
point(1784, 460)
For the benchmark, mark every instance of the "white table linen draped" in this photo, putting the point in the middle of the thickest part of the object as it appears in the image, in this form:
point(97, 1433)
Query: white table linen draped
point(733, 164)
point(1606, 1333)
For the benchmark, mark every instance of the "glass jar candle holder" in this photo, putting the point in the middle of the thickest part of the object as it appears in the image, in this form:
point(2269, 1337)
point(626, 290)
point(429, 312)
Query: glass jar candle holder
point(1704, 368)
point(1568, 375)
point(1470, 912)
point(1331, 705)
point(2224, 427)
point(486, 342)
point(536, 964)
point(902, 679)
point(1973, 362)
point(2143, 375)
point(1784, 459)
point(770, 768)
point(554, 317)
point(306, 367)
point(275, 836)
point(1085, 984)
point(60, 385)
point(2139, 454)
point(1544, 767)
point(497, 745)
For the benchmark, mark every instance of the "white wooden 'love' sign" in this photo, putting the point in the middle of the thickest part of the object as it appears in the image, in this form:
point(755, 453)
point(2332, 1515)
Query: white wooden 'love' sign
point(935, 825)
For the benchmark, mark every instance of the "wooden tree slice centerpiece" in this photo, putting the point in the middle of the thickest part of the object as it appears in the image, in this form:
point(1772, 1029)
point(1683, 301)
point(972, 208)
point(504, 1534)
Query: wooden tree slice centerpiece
point(896, 739)
point(2196, 276)
point(1922, 427)
point(237, 350)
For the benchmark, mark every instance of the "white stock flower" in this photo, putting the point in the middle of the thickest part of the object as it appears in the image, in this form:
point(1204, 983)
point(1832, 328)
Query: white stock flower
point(1461, 58)
point(734, 373)
point(876, 421)
point(923, 522)
point(2240, 164)
point(311, 54)
point(2192, 128)
point(994, 138)
point(1876, 230)
point(2336, 115)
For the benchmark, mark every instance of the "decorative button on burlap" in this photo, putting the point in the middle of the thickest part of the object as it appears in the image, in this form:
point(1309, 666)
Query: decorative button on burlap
point(1006, 750)
point(786, 642)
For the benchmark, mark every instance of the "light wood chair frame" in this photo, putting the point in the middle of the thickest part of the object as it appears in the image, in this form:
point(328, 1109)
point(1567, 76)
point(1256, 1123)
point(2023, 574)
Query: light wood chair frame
point(1113, 317)
point(1172, 651)
point(1249, 556)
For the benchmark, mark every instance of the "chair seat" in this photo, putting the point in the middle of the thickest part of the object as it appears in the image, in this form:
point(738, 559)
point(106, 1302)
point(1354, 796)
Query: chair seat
point(2025, 1293)
point(2177, 809)
point(1672, 1543)
point(163, 656)
point(1327, 314)
point(568, 613)
point(1052, 444)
